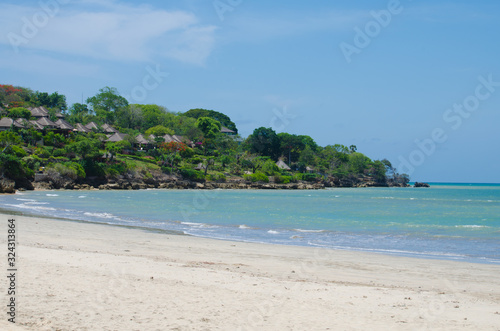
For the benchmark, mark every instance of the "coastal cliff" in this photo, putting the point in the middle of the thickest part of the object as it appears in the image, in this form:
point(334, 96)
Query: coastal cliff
point(162, 181)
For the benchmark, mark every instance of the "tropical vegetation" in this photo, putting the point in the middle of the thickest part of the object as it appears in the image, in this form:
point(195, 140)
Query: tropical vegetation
point(196, 148)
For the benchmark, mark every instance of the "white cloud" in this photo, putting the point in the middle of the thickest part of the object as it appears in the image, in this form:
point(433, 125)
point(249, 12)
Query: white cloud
point(109, 30)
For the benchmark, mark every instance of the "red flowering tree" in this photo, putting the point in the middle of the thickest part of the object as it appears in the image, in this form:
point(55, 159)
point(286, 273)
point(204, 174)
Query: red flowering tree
point(9, 96)
point(170, 150)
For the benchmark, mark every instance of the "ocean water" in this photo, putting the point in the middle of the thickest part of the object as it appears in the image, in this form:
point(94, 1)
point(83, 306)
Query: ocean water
point(447, 221)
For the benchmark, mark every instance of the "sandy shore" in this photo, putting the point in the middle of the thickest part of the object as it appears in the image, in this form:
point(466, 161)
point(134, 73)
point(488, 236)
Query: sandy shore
point(77, 276)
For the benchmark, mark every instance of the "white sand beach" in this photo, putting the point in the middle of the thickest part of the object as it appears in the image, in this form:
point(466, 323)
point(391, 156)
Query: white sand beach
point(81, 276)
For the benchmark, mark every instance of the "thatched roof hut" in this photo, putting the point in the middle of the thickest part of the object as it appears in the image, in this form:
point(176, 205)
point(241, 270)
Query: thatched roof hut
point(227, 131)
point(117, 137)
point(63, 125)
point(108, 128)
point(141, 140)
point(39, 112)
point(46, 123)
point(80, 128)
point(282, 165)
point(6, 123)
point(92, 126)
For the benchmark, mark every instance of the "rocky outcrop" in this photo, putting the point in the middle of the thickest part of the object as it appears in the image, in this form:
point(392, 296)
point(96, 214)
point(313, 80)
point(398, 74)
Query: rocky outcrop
point(7, 186)
point(418, 184)
point(23, 184)
point(162, 181)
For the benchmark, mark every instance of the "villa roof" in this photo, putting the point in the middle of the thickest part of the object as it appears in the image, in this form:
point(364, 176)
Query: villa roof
point(141, 140)
point(282, 165)
point(92, 126)
point(39, 111)
point(45, 122)
point(79, 127)
point(223, 129)
point(168, 138)
point(178, 139)
point(63, 125)
point(117, 137)
point(7, 122)
point(36, 125)
point(108, 128)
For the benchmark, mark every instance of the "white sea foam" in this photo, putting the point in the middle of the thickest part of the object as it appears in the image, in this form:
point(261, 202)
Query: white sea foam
point(272, 232)
point(52, 195)
point(20, 199)
point(243, 226)
point(200, 225)
point(26, 206)
point(82, 196)
point(191, 223)
point(100, 215)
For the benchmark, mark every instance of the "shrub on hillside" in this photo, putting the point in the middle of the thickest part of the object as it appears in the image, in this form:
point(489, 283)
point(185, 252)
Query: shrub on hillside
point(283, 179)
point(16, 150)
point(257, 177)
point(217, 177)
point(192, 174)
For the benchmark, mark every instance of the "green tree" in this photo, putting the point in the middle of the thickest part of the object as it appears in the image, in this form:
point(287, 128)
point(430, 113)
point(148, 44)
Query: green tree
point(226, 144)
point(8, 138)
point(84, 147)
point(270, 168)
point(265, 142)
point(54, 139)
point(358, 162)
point(308, 141)
point(291, 146)
point(209, 127)
point(19, 112)
point(79, 113)
point(12, 167)
point(378, 170)
point(334, 156)
point(114, 148)
point(220, 117)
point(54, 100)
point(30, 136)
point(159, 131)
point(307, 157)
point(130, 117)
point(107, 104)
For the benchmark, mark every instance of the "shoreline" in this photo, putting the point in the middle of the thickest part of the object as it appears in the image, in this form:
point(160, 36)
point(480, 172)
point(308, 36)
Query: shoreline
point(403, 254)
point(92, 276)
point(436, 255)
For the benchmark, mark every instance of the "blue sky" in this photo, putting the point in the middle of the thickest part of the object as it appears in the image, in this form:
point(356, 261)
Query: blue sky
point(416, 82)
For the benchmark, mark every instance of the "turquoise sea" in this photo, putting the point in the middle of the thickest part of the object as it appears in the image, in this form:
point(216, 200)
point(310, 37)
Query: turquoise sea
point(446, 221)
